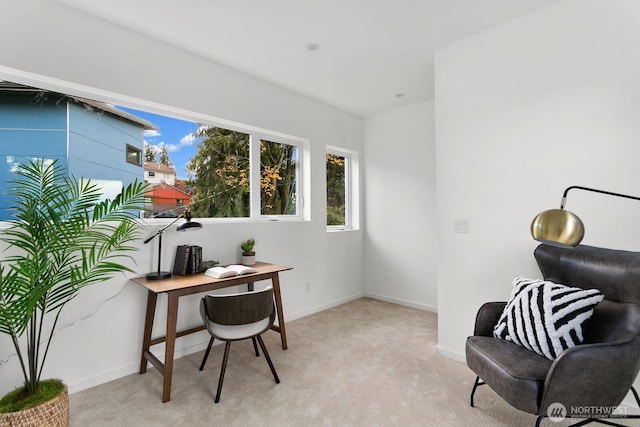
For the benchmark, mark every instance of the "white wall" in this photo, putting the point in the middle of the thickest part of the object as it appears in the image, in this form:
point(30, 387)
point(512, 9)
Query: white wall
point(400, 223)
point(524, 110)
point(64, 45)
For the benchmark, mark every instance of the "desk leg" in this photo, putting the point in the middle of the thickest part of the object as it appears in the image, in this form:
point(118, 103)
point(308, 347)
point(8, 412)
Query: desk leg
point(148, 328)
point(172, 320)
point(276, 291)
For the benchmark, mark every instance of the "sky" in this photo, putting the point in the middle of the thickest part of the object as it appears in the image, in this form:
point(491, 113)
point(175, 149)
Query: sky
point(175, 134)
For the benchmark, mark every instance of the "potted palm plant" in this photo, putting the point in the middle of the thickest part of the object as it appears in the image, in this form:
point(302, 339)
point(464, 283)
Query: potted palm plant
point(248, 254)
point(64, 238)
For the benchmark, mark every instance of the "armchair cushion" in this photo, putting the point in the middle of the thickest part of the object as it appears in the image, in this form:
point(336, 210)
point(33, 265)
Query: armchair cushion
point(546, 317)
point(512, 371)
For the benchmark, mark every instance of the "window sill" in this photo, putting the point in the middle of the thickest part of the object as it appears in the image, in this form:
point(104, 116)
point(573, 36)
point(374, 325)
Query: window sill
point(205, 221)
point(338, 229)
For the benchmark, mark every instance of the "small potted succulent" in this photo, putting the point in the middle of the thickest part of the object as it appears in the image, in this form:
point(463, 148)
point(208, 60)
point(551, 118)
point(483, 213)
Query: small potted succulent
point(248, 254)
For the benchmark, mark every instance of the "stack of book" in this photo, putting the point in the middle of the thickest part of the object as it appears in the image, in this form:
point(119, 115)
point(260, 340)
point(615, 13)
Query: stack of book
point(188, 260)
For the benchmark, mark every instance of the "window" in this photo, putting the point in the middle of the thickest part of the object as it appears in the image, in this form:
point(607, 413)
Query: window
point(86, 138)
point(228, 184)
point(336, 189)
point(220, 174)
point(342, 190)
point(218, 169)
point(278, 178)
point(134, 155)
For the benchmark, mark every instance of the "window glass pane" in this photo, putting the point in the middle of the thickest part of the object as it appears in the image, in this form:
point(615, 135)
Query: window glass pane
point(220, 170)
point(278, 178)
point(336, 189)
point(87, 138)
point(134, 155)
point(206, 167)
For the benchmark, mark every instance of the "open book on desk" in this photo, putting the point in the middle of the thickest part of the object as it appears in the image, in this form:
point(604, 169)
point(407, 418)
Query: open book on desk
point(229, 271)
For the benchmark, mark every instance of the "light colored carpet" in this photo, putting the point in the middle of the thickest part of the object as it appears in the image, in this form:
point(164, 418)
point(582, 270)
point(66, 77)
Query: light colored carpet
point(364, 363)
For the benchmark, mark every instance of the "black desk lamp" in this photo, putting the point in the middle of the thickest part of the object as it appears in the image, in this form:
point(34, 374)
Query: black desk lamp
point(186, 226)
point(559, 227)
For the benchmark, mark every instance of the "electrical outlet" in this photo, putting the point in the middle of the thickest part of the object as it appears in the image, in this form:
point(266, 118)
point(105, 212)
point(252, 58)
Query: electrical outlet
point(460, 225)
point(308, 286)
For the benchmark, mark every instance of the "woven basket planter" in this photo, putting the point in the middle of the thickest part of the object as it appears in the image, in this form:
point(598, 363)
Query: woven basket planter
point(54, 413)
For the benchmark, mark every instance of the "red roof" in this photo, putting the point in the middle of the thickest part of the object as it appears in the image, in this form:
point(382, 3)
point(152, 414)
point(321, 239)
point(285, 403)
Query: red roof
point(162, 194)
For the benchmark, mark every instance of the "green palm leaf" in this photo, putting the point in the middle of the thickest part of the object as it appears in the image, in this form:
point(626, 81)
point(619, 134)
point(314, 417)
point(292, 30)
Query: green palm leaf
point(67, 239)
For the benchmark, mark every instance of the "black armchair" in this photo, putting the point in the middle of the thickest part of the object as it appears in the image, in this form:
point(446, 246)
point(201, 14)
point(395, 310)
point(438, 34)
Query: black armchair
point(590, 379)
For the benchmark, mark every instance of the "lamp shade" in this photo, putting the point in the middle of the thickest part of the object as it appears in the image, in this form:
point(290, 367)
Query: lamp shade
point(189, 226)
point(557, 227)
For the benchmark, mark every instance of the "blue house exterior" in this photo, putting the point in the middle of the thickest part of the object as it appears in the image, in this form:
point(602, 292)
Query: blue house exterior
point(88, 138)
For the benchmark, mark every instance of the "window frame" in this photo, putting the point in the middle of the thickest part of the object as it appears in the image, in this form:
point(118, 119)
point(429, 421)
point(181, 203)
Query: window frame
point(352, 190)
point(303, 177)
point(255, 139)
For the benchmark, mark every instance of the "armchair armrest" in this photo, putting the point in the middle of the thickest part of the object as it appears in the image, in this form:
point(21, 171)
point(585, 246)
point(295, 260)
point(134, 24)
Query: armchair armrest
point(487, 318)
point(598, 375)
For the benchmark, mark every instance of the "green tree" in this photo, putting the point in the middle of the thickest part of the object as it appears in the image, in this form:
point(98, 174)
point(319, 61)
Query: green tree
point(164, 157)
point(150, 153)
point(277, 178)
point(221, 174)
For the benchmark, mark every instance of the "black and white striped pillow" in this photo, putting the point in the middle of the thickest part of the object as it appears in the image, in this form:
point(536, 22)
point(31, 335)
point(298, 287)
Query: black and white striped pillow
point(546, 317)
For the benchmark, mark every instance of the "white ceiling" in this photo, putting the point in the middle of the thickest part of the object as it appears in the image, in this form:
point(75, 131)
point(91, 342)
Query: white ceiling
point(370, 50)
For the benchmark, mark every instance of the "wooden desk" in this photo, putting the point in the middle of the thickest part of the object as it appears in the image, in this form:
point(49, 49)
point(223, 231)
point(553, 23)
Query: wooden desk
point(178, 286)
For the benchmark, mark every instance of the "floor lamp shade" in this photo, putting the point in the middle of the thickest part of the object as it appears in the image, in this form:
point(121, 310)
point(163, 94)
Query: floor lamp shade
point(557, 227)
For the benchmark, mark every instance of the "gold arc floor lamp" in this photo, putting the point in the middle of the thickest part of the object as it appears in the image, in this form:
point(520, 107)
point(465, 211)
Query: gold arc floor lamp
point(560, 227)
point(186, 226)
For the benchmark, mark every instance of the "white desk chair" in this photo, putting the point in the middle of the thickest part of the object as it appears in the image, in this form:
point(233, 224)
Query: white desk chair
point(236, 317)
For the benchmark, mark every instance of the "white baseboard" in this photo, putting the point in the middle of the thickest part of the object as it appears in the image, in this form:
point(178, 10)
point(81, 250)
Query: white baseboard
point(133, 368)
point(102, 378)
point(319, 308)
point(453, 355)
point(411, 304)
